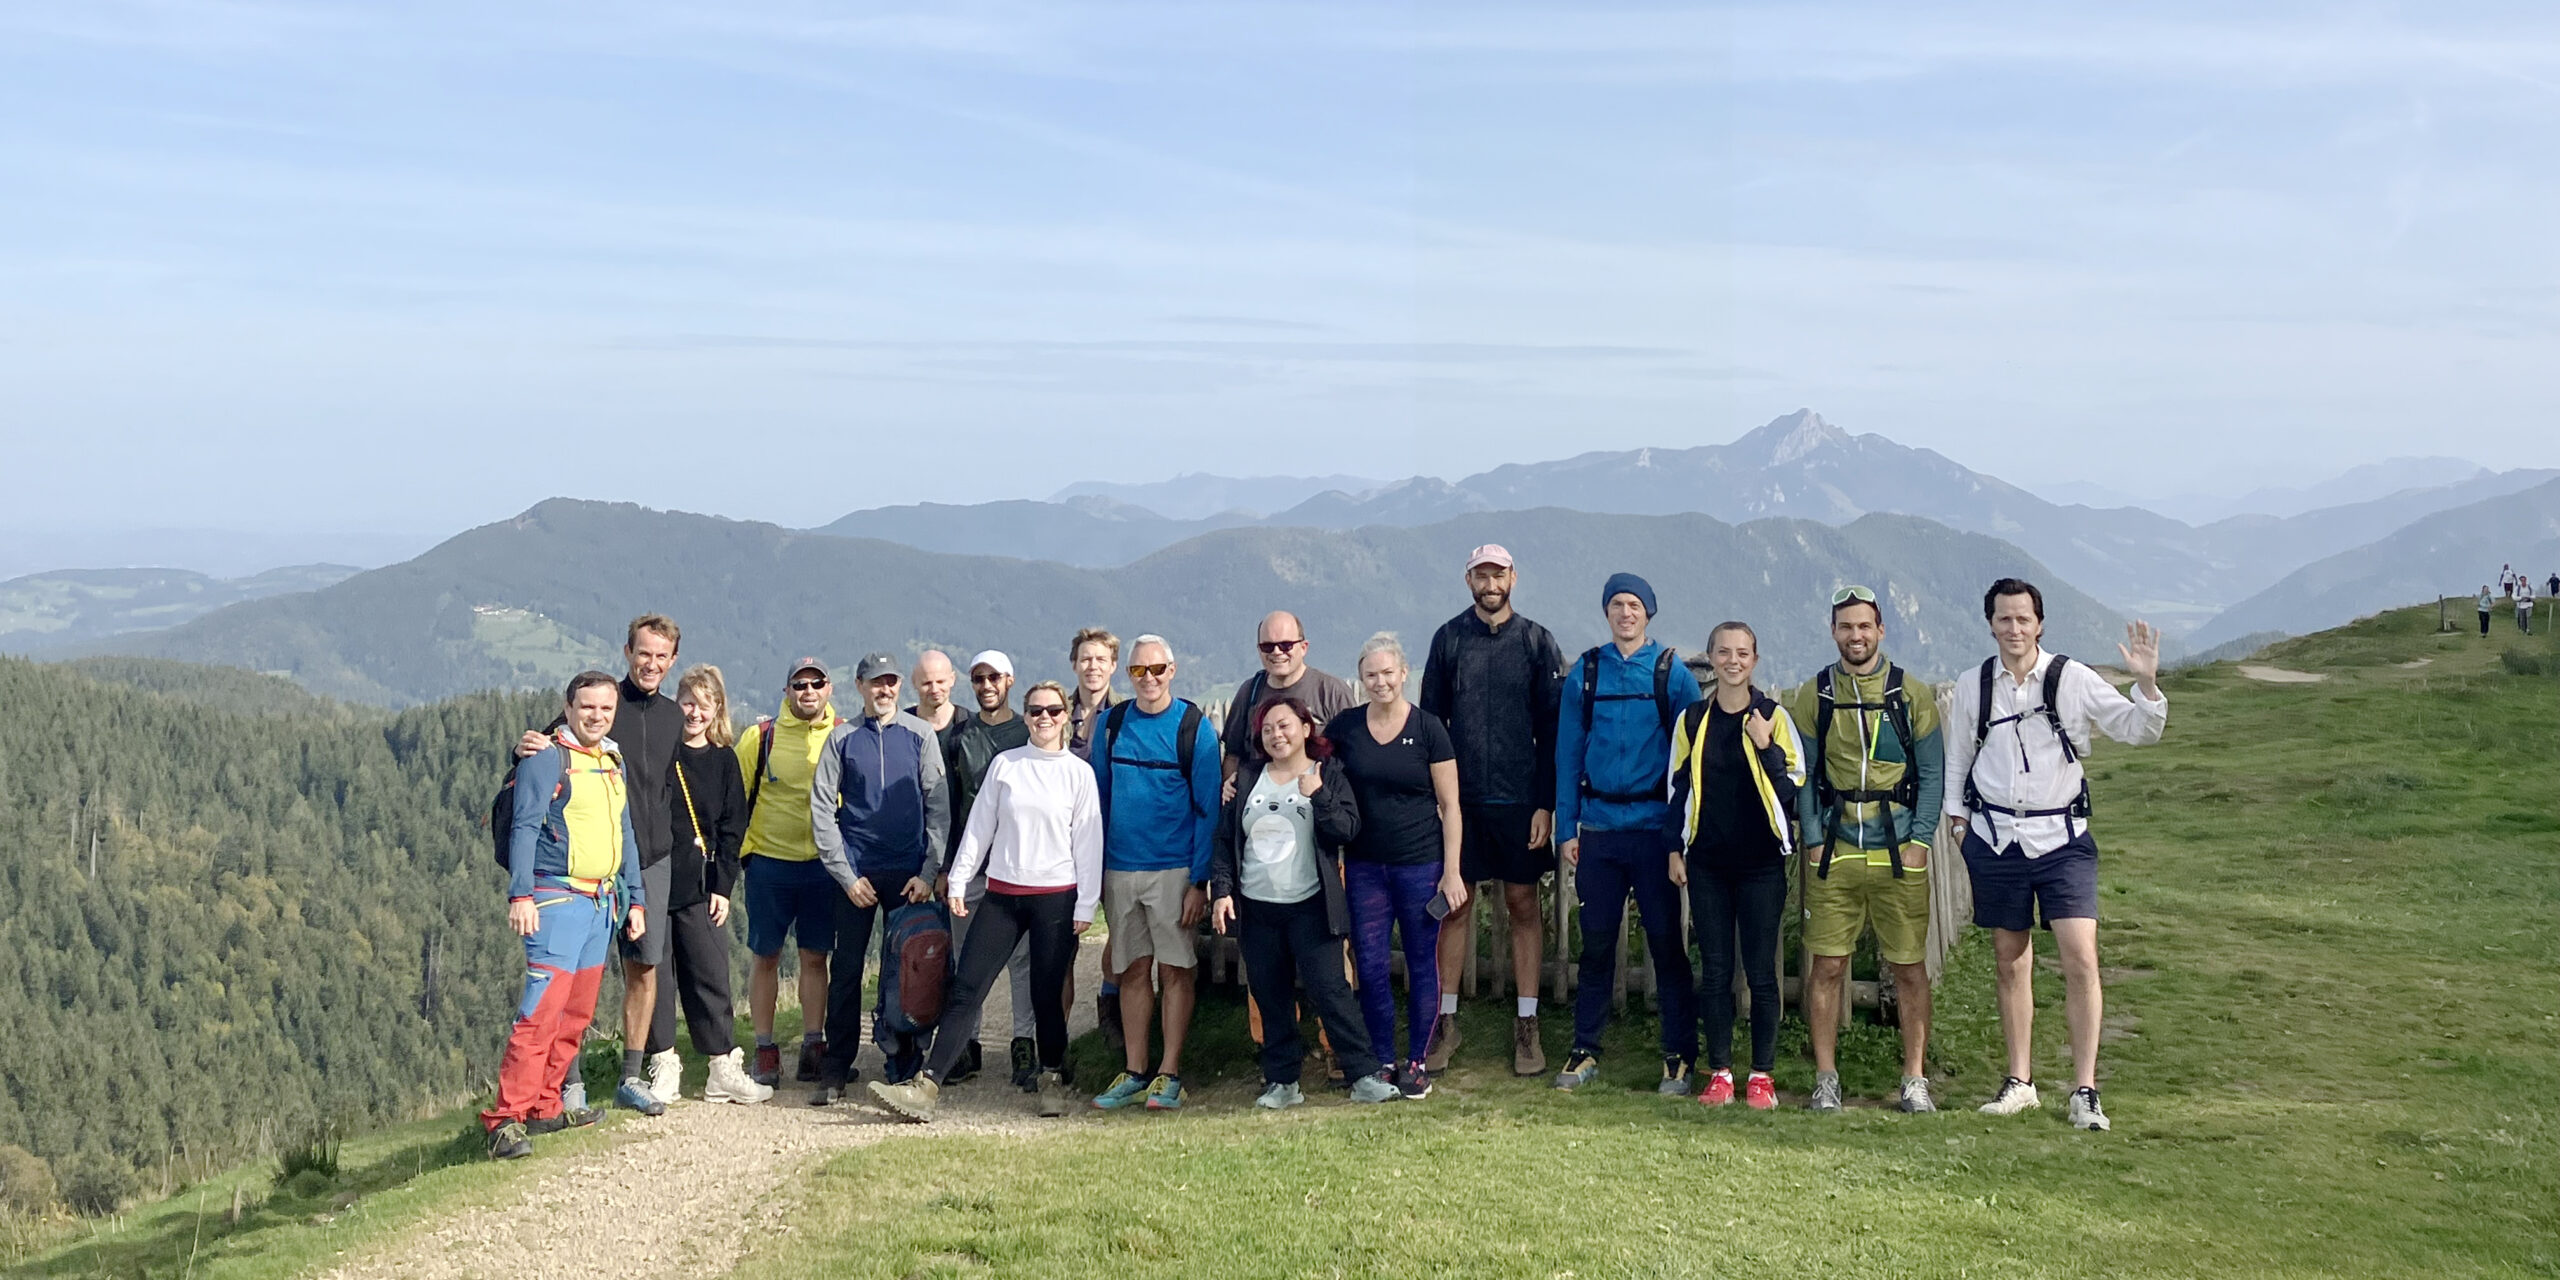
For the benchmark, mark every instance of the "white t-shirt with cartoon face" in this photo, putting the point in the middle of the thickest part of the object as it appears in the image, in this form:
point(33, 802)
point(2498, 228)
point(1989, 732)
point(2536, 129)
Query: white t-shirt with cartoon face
point(1279, 843)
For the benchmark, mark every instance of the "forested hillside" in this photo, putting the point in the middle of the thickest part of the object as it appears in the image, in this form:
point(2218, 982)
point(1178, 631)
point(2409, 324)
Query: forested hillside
point(219, 928)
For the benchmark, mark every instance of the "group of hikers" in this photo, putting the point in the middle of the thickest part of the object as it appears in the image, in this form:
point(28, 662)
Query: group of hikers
point(1316, 817)
point(2516, 588)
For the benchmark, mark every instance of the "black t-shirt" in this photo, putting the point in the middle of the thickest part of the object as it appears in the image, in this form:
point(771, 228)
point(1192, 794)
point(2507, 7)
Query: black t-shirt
point(1399, 812)
point(1733, 825)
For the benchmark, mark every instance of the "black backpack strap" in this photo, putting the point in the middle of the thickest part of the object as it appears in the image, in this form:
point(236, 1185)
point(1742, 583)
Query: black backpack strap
point(1186, 738)
point(1662, 686)
point(1982, 709)
point(1823, 797)
point(1590, 691)
point(764, 761)
point(1897, 713)
point(2053, 708)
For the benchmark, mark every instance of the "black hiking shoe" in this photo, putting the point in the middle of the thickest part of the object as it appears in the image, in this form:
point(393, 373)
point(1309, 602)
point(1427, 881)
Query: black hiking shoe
point(813, 1055)
point(573, 1118)
point(509, 1142)
point(1026, 1064)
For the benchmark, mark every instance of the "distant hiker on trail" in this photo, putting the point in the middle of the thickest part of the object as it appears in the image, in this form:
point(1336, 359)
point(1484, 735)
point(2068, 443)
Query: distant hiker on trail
point(1282, 644)
point(1736, 767)
point(1865, 826)
point(2484, 610)
point(968, 750)
point(1493, 677)
point(1034, 840)
point(1094, 654)
point(1155, 768)
point(1614, 822)
point(1276, 879)
point(710, 821)
point(2506, 581)
point(880, 809)
point(789, 896)
point(2551, 586)
point(572, 857)
point(2015, 782)
point(1404, 772)
point(934, 678)
point(647, 726)
point(2524, 605)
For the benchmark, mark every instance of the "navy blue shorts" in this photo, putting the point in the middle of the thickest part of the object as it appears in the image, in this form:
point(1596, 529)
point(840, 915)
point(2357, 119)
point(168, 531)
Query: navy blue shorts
point(790, 898)
point(2011, 890)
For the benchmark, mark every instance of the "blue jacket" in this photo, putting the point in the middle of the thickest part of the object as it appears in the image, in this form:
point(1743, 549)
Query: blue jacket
point(1149, 823)
point(1628, 751)
point(879, 806)
point(538, 841)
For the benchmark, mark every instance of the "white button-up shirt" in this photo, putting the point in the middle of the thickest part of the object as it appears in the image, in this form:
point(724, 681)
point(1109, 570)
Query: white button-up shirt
point(2020, 764)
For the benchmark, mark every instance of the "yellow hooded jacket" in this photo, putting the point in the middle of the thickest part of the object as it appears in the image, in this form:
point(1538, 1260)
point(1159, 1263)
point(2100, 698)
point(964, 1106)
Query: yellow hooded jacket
point(778, 821)
point(1689, 767)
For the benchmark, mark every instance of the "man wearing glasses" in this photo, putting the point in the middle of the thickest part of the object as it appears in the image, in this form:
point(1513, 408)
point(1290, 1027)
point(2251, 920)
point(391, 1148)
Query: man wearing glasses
point(1283, 643)
point(1155, 769)
point(1867, 819)
point(968, 750)
point(788, 894)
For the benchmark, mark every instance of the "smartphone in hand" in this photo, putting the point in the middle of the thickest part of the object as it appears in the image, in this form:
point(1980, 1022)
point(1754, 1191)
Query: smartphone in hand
point(1439, 906)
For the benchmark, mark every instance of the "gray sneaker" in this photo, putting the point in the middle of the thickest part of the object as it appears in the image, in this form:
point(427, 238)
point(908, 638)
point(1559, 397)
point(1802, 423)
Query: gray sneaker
point(1675, 1078)
point(1280, 1097)
point(1056, 1099)
point(1374, 1088)
point(1915, 1096)
point(2085, 1112)
point(1580, 1068)
point(913, 1099)
point(1826, 1093)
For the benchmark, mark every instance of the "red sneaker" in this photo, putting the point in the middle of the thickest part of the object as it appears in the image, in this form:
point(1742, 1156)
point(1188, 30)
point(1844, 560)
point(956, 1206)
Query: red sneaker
point(1760, 1093)
point(1719, 1090)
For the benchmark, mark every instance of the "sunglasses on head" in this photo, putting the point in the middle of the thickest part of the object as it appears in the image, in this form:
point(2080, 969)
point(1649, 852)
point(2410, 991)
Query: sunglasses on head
point(803, 686)
point(1138, 669)
point(1277, 647)
point(1045, 709)
point(1846, 594)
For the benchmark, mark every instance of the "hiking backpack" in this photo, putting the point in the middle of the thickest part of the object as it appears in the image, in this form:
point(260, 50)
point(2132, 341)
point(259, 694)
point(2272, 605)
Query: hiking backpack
point(1982, 723)
point(502, 807)
point(1662, 709)
point(1186, 739)
point(1897, 714)
point(915, 971)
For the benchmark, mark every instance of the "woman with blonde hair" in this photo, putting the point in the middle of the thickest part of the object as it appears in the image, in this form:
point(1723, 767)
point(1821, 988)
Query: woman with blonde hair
point(710, 799)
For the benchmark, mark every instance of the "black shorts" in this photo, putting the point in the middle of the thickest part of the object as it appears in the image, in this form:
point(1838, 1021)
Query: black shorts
point(1495, 845)
point(2011, 890)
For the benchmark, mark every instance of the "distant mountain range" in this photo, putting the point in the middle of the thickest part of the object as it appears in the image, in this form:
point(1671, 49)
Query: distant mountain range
point(1198, 497)
point(70, 607)
point(2354, 485)
point(527, 601)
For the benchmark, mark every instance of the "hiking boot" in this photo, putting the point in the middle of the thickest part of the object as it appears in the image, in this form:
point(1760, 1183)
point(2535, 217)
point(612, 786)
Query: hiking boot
point(1527, 1059)
point(576, 1119)
point(813, 1057)
point(509, 1142)
point(1124, 1089)
point(1760, 1093)
point(914, 1099)
point(1445, 1040)
point(1675, 1077)
point(1719, 1090)
point(768, 1070)
point(2085, 1112)
point(830, 1090)
point(729, 1083)
point(1826, 1093)
point(1106, 1012)
point(1915, 1096)
point(1373, 1088)
point(1280, 1097)
point(971, 1060)
point(1414, 1081)
point(634, 1095)
point(666, 1076)
point(1581, 1067)
point(1056, 1099)
point(1026, 1064)
point(1165, 1094)
point(2015, 1095)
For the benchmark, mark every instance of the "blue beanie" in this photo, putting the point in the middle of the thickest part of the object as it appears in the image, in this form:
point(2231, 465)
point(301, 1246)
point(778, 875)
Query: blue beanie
point(1627, 584)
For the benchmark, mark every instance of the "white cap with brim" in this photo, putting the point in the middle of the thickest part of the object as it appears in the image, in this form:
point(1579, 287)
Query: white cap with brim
point(992, 658)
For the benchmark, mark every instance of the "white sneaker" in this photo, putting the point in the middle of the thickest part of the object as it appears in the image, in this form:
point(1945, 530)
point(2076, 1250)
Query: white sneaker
point(2015, 1095)
point(666, 1076)
point(2085, 1113)
point(730, 1082)
point(1915, 1096)
point(1280, 1097)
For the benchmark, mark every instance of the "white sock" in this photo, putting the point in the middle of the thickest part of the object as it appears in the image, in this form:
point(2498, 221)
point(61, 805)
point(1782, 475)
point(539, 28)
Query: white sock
point(1528, 1006)
point(1448, 1002)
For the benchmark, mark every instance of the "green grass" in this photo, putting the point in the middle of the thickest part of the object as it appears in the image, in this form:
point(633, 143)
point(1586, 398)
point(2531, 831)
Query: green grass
point(2334, 1052)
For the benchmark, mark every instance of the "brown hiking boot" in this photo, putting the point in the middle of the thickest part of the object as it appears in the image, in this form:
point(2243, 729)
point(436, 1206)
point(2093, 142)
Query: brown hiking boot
point(1444, 1041)
point(1527, 1059)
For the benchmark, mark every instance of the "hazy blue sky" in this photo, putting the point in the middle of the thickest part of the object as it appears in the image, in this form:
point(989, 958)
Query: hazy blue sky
point(267, 264)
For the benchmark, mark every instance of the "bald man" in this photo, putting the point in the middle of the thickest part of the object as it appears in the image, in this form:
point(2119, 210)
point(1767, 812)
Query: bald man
point(934, 677)
point(1282, 643)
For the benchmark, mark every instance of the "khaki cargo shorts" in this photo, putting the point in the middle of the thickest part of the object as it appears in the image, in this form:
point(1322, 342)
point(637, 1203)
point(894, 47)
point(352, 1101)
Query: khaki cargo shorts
point(1859, 893)
point(1145, 909)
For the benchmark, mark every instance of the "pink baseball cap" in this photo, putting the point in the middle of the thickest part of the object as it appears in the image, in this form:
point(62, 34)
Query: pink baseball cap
point(1490, 553)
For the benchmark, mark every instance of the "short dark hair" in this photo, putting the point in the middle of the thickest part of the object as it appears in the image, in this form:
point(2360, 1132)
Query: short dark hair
point(1318, 746)
point(2011, 587)
point(589, 680)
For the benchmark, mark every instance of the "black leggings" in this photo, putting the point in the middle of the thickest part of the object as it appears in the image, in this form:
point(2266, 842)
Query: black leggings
point(1751, 898)
point(999, 921)
point(696, 975)
point(1285, 943)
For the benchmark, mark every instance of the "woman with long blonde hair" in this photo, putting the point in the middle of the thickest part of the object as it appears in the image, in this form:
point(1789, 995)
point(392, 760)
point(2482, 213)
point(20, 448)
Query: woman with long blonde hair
point(710, 799)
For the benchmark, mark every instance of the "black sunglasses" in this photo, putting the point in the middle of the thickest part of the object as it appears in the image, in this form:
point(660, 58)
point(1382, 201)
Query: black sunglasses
point(1278, 646)
point(1044, 709)
point(803, 686)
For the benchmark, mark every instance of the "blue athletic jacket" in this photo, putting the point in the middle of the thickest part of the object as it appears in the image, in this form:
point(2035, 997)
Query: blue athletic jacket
point(1150, 821)
point(879, 806)
point(1629, 750)
point(538, 840)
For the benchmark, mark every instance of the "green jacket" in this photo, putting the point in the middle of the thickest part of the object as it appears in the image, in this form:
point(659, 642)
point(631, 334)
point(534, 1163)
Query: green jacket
point(1865, 756)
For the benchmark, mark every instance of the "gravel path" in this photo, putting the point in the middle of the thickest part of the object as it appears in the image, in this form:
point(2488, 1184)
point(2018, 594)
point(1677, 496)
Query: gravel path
point(705, 1178)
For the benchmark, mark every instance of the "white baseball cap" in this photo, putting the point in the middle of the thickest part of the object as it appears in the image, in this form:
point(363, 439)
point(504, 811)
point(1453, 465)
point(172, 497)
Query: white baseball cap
point(992, 658)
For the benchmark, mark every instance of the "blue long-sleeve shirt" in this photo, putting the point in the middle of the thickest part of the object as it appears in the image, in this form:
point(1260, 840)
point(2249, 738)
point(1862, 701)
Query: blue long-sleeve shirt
point(1628, 751)
point(1150, 820)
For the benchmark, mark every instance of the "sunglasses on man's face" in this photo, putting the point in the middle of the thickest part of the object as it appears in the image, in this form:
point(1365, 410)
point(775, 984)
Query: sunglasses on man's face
point(1044, 709)
point(803, 686)
point(1277, 647)
point(986, 677)
point(1139, 670)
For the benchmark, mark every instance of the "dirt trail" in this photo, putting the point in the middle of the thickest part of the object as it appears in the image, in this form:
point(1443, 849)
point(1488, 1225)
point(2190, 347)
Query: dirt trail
point(2278, 675)
point(681, 1195)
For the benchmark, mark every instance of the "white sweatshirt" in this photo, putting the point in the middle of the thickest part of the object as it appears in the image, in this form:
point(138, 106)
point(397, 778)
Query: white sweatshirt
point(1037, 822)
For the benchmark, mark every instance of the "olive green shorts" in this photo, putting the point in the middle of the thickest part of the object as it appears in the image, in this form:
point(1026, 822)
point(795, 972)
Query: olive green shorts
point(1859, 893)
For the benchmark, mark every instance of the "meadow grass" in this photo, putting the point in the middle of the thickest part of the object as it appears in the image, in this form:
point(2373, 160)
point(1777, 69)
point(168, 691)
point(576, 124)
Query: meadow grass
point(2333, 1050)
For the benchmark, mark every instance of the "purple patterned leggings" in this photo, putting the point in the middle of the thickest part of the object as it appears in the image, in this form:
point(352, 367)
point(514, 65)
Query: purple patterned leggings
point(1385, 897)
